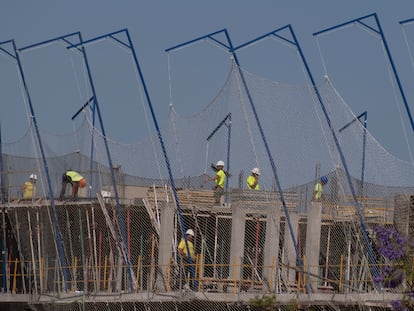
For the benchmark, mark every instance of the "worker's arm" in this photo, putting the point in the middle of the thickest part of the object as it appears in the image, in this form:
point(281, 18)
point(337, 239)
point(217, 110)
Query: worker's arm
point(215, 179)
point(181, 247)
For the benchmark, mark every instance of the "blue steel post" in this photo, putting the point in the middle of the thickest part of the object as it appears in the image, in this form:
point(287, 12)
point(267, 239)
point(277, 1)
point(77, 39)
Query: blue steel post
point(59, 238)
point(315, 88)
point(341, 154)
point(120, 215)
point(66, 40)
point(180, 214)
point(380, 32)
point(344, 163)
point(232, 50)
point(269, 154)
point(164, 151)
point(384, 41)
point(130, 46)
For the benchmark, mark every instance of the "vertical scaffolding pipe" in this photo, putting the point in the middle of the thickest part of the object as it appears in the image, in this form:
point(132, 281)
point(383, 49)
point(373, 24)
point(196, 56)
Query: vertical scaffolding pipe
point(82, 244)
point(72, 258)
point(2, 181)
point(4, 250)
point(3, 214)
point(34, 278)
point(380, 32)
point(19, 249)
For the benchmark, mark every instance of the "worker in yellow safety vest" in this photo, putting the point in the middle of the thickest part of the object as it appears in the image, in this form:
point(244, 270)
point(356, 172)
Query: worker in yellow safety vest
point(76, 180)
point(317, 193)
point(219, 179)
point(29, 187)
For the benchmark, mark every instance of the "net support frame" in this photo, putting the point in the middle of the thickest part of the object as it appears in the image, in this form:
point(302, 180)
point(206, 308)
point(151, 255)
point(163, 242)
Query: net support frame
point(378, 31)
point(59, 238)
point(293, 41)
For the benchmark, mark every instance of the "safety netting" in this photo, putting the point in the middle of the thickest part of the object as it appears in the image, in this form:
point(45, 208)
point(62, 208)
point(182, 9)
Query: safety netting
point(278, 245)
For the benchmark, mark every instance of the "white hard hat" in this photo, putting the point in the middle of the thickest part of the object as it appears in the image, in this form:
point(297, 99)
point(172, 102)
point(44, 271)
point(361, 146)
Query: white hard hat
point(33, 176)
point(256, 171)
point(190, 232)
point(220, 163)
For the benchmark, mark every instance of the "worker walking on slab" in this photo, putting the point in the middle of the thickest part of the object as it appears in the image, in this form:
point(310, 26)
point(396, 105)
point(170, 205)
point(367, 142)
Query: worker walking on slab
point(253, 179)
point(220, 180)
point(76, 180)
point(317, 193)
point(187, 260)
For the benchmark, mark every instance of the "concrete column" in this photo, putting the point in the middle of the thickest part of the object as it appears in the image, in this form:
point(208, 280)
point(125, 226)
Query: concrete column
point(271, 246)
point(289, 259)
point(313, 243)
point(237, 240)
point(165, 243)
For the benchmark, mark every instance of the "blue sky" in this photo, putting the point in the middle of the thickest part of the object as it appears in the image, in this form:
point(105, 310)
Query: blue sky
point(352, 58)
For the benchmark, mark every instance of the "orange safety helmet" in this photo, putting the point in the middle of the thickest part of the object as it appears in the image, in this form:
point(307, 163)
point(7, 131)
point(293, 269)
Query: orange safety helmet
point(82, 182)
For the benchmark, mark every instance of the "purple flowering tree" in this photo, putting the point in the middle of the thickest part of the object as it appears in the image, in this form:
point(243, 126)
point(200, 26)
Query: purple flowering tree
point(398, 270)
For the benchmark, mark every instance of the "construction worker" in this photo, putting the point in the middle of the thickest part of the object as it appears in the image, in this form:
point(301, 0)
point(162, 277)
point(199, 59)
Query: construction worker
point(187, 260)
point(29, 187)
point(76, 180)
point(317, 193)
point(253, 179)
point(220, 180)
